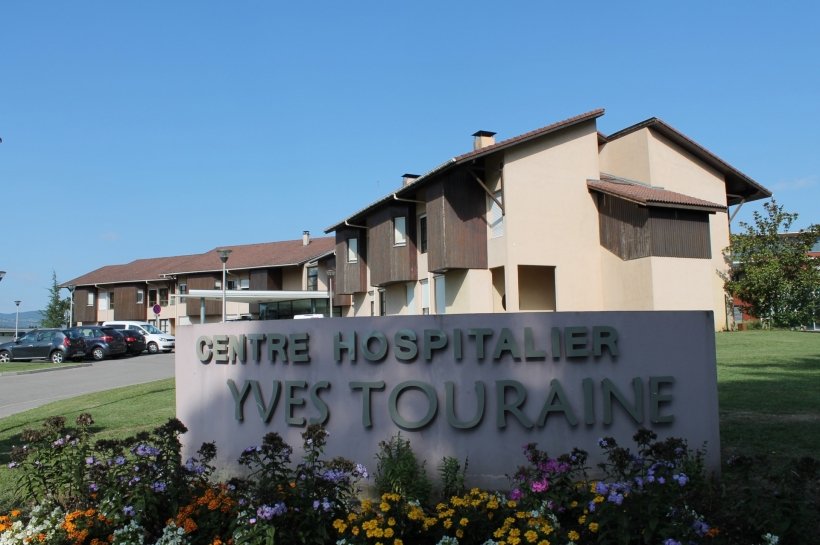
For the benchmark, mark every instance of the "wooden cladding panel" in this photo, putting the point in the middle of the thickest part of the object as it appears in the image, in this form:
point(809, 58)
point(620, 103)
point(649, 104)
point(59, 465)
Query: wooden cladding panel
point(125, 303)
point(265, 279)
point(350, 277)
point(631, 231)
point(390, 263)
point(203, 282)
point(82, 312)
point(680, 233)
point(623, 227)
point(456, 223)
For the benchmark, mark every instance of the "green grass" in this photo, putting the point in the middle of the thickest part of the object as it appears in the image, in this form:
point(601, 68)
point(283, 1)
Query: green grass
point(117, 413)
point(769, 392)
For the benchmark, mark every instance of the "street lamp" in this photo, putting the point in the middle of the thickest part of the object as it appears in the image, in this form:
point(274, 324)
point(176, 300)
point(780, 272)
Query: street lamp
point(71, 306)
point(330, 274)
point(17, 319)
point(223, 256)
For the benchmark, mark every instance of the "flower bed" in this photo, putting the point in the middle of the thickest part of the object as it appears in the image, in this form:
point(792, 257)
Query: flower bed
point(139, 491)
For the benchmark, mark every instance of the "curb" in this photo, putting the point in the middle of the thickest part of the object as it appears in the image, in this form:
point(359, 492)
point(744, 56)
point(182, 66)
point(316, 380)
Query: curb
point(33, 371)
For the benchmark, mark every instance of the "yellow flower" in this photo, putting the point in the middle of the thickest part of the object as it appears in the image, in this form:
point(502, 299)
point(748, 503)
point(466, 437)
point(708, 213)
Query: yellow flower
point(582, 520)
point(384, 506)
point(531, 536)
point(391, 521)
point(397, 541)
point(573, 535)
point(459, 533)
point(447, 523)
point(388, 532)
point(593, 527)
point(354, 530)
point(464, 521)
point(544, 542)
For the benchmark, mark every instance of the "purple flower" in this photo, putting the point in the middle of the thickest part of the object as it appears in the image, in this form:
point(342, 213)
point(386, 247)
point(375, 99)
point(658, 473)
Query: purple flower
point(158, 486)
point(681, 478)
point(324, 505)
point(516, 494)
point(540, 486)
point(12, 465)
point(700, 527)
point(128, 511)
point(615, 498)
point(267, 512)
point(58, 443)
point(671, 541)
point(361, 471)
point(92, 487)
point(145, 450)
point(601, 488)
point(89, 460)
point(334, 475)
point(119, 460)
point(602, 442)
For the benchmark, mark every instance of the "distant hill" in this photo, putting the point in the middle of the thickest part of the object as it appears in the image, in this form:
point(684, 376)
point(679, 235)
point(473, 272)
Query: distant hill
point(28, 319)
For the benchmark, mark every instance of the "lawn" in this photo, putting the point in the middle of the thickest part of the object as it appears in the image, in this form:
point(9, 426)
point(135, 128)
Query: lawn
point(39, 365)
point(768, 384)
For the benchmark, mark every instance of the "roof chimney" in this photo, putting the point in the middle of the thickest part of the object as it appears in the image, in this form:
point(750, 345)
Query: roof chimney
point(482, 139)
point(305, 238)
point(408, 179)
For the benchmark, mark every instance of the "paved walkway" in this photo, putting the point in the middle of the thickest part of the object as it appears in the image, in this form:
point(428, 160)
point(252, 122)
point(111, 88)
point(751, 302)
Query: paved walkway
point(26, 391)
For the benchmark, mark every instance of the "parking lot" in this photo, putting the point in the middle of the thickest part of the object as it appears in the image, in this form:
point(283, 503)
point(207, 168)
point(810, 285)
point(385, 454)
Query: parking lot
point(26, 391)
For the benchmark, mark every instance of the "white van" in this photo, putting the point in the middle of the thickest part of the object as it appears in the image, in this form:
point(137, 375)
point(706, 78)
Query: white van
point(155, 339)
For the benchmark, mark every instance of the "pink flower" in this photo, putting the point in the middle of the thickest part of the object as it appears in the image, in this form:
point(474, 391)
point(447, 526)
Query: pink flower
point(540, 486)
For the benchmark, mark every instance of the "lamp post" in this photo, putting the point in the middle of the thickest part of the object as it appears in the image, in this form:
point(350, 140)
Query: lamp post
point(330, 274)
point(71, 306)
point(17, 319)
point(223, 256)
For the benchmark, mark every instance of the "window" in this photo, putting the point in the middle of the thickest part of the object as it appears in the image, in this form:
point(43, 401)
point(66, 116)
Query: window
point(90, 300)
point(140, 297)
point(423, 234)
point(425, 296)
point(163, 297)
point(439, 292)
point(411, 298)
point(352, 250)
point(111, 300)
point(312, 278)
point(244, 283)
point(495, 217)
point(103, 300)
point(183, 288)
point(231, 284)
point(152, 297)
point(382, 303)
point(399, 231)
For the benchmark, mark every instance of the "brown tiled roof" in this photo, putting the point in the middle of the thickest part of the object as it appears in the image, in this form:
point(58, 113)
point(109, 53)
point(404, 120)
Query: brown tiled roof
point(244, 256)
point(649, 196)
point(738, 185)
point(465, 157)
point(264, 255)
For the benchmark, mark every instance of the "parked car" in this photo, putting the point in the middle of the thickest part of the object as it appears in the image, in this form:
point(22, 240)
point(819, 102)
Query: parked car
point(100, 342)
point(134, 340)
point(155, 338)
point(57, 345)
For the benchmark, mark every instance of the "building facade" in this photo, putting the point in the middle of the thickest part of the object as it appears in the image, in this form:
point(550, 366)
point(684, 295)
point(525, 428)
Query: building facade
point(267, 280)
point(562, 218)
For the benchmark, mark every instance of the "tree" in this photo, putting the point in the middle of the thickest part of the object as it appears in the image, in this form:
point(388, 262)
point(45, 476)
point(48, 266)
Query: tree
point(55, 312)
point(772, 272)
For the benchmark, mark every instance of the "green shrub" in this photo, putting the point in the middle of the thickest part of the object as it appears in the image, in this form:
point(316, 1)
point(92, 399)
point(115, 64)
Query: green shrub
point(452, 477)
point(399, 471)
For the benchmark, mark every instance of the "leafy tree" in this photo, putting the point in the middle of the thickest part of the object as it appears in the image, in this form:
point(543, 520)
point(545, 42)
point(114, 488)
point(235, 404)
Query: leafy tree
point(772, 273)
point(54, 314)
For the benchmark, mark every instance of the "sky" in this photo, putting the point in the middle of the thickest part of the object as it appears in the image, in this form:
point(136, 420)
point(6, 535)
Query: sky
point(145, 129)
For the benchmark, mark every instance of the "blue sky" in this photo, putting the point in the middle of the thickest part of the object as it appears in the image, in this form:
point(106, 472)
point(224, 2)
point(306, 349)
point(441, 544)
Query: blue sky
point(146, 129)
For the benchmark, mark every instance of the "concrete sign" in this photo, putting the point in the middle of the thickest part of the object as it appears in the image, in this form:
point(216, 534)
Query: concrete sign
point(475, 386)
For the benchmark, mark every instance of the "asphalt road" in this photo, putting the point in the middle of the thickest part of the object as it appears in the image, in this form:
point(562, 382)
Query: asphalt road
point(26, 391)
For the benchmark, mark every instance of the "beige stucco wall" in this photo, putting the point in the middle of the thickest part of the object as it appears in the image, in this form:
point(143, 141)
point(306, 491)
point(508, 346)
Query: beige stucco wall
point(551, 218)
point(648, 157)
point(468, 291)
point(292, 279)
point(627, 285)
